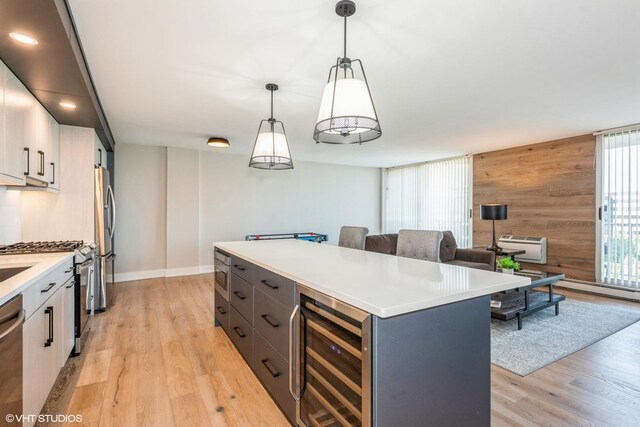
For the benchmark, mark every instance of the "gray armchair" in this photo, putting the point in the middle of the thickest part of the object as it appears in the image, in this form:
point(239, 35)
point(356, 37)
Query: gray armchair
point(419, 244)
point(353, 237)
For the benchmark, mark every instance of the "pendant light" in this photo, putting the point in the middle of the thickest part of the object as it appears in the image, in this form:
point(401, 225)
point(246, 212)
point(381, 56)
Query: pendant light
point(347, 114)
point(271, 150)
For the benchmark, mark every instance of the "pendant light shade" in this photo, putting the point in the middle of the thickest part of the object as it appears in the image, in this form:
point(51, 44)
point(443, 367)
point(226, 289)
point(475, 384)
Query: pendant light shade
point(347, 114)
point(271, 150)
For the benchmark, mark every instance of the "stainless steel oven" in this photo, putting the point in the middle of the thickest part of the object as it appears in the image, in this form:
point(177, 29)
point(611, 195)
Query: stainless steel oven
point(85, 266)
point(221, 263)
point(330, 361)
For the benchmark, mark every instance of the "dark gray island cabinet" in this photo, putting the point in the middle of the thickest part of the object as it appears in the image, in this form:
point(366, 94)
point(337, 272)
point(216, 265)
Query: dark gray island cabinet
point(351, 355)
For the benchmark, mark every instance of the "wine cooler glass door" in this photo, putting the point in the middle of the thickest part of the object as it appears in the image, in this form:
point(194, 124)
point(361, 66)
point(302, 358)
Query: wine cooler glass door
point(335, 364)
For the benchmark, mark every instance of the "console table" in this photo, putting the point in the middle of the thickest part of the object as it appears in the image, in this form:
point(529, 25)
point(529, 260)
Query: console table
point(523, 301)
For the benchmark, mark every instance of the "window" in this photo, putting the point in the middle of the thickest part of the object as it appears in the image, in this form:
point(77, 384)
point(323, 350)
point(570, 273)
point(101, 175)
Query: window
point(430, 196)
point(619, 208)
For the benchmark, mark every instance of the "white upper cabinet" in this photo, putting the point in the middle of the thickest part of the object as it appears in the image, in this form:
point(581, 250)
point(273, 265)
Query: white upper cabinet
point(54, 157)
point(17, 104)
point(29, 136)
point(100, 152)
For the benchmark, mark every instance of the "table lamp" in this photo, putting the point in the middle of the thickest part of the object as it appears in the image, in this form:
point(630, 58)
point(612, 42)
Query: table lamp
point(493, 211)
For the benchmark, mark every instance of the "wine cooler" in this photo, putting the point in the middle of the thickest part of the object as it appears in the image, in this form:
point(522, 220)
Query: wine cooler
point(331, 349)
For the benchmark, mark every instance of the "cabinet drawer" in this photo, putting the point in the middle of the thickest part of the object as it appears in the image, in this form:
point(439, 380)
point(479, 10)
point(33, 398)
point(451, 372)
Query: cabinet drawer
point(39, 292)
point(277, 287)
point(242, 268)
point(271, 319)
point(221, 311)
point(273, 372)
point(241, 333)
point(241, 297)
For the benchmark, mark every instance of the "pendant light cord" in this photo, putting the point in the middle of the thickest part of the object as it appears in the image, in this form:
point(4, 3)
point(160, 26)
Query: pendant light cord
point(345, 37)
point(271, 118)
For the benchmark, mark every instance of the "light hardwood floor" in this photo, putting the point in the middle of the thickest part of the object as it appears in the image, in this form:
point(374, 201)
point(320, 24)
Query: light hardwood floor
point(155, 359)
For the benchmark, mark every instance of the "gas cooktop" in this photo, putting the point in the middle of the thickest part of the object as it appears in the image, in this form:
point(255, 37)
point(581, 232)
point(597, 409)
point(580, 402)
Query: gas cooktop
point(40, 247)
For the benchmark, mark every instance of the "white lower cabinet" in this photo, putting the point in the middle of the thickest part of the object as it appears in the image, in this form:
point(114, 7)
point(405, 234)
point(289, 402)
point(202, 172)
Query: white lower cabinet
point(46, 338)
point(68, 324)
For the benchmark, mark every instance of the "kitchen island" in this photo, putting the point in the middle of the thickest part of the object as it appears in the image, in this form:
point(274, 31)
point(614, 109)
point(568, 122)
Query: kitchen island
point(372, 339)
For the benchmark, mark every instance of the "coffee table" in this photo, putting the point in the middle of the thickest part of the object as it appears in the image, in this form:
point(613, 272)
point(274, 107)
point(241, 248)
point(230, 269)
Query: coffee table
point(523, 301)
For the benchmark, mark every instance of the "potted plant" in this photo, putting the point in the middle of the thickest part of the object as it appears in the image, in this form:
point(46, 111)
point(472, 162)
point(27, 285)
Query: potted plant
point(508, 266)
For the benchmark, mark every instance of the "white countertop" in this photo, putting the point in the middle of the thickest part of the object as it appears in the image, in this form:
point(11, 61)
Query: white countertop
point(41, 265)
point(384, 285)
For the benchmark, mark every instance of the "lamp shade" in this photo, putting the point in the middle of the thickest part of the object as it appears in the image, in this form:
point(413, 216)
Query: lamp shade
point(347, 114)
point(271, 150)
point(493, 211)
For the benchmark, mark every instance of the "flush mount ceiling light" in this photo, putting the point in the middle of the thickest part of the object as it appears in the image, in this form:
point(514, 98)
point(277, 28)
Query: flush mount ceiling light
point(218, 142)
point(24, 39)
point(347, 114)
point(68, 105)
point(271, 150)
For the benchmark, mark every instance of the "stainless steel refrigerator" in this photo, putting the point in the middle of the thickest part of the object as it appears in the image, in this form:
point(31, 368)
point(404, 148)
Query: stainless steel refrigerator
point(105, 215)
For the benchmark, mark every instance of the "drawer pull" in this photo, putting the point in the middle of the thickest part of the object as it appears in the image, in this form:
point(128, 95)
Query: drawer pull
point(221, 310)
point(239, 332)
point(239, 294)
point(274, 373)
point(239, 267)
point(71, 285)
point(69, 270)
point(267, 318)
point(269, 285)
point(48, 288)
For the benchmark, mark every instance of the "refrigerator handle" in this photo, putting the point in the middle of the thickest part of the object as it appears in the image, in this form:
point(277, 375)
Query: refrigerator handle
point(112, 227)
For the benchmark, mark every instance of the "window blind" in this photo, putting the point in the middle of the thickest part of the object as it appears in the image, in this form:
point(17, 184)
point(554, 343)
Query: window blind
point(620, 190)
point(430, 196)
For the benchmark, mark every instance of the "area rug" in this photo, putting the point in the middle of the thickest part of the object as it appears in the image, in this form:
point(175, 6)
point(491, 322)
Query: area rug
point(546, 338)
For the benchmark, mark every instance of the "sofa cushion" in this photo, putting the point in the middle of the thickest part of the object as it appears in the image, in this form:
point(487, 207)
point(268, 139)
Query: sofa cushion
point(478, 265)
point(448, 247)
point(382, 243)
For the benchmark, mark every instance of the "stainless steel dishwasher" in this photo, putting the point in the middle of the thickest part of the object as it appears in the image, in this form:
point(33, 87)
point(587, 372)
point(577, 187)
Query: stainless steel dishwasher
point(11, 319)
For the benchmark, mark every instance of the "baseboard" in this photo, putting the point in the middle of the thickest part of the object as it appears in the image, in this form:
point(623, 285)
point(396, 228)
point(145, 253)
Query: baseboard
point(169, 272)
point(601, 290)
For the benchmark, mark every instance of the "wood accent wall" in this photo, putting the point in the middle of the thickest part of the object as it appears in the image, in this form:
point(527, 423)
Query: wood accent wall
point(550, 192)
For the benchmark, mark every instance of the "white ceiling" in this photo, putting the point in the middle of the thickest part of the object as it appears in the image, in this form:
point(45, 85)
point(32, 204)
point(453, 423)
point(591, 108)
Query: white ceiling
point(447, 77)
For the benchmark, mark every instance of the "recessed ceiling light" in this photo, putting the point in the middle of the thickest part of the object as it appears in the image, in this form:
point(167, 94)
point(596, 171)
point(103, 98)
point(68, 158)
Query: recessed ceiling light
point(68, 105)
point(218, 142)
point(24, 39)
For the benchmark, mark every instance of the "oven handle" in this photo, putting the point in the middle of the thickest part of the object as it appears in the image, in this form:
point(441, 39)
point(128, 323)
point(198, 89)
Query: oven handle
point(19, 321)
point(291, 349)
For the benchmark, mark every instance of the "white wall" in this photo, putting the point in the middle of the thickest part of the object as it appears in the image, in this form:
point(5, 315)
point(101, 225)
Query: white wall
point(141, 213)
point(10, 224)
point(210, 196)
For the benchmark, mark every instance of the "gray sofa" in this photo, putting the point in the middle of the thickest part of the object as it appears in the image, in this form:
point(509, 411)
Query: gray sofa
point(449, 251)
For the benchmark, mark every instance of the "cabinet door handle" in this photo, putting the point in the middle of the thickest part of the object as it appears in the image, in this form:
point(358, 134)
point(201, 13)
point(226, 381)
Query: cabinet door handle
point(239, 267)
point(100, 156)
point(49, 311)
point(53, 173)
point(26, 149)
point(41, 165)
point(71, 285)
point(269, 285)
point(267, 319)
point(69, 270)
point(292, 345)
point(48, 288)
point(274, 373)
point(239, 332)
point(239, 295)
point(221, 310)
